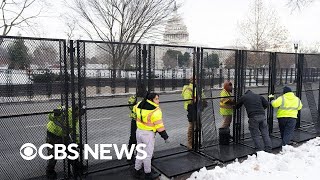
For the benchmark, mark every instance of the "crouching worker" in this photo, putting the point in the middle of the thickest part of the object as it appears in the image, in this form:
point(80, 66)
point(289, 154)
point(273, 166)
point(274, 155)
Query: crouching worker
point(57, 134)
point(149, 121)
point(255, 105)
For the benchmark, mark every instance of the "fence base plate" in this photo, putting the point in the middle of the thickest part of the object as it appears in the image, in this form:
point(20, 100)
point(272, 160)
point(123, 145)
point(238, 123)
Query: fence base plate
point(230, 152)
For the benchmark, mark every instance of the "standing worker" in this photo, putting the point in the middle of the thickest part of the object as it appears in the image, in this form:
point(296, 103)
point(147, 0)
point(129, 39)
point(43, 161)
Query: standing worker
point(226, 110)
point(288, 106)
point(189, 106)
point(226, 104)
point(149, 121)
point(133, 128)
point(255, 106)
point(57, 134)
point(132, 102)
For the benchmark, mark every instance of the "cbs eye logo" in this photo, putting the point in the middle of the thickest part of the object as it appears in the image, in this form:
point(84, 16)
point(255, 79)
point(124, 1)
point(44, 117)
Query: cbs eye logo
point(28, 151)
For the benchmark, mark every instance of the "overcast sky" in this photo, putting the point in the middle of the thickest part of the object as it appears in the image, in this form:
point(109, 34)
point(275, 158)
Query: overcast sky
point(213, 22)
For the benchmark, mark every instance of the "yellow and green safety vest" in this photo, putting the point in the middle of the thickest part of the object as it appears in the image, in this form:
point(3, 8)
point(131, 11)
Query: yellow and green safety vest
point(55, 128)
point(226, 108)
point(187, 94)
point(151, 119)
point(132, 101)
point(288, 105)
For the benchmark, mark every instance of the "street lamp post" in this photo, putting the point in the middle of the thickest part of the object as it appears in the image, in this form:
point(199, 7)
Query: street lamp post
point(177, 61)
point(296, 46)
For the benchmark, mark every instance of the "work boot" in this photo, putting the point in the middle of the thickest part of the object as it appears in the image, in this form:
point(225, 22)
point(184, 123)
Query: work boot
point(151, 176)
point(51, 174)
point(137, 173)
point(81, 167)
point(230, 138)
point(155, 172)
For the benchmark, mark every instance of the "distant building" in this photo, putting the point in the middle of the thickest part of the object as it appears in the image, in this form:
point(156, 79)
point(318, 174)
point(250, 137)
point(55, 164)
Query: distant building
point(176, 33)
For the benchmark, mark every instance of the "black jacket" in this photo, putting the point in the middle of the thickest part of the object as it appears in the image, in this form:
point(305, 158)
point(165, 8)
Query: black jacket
point(255, 104)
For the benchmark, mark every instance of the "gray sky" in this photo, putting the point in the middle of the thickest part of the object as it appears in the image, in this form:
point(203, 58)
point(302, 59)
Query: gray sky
point(214, 22)
point(210, 22)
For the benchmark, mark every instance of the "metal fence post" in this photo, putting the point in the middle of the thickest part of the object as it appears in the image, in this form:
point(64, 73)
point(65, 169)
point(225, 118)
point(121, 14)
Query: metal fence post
point(151, 73)
point(126, 81)
point(257, 76)
point(220, 77)
point(263, 74)
point(98, 78)
point(271, 88)
point(299, 83)
point(144, 66)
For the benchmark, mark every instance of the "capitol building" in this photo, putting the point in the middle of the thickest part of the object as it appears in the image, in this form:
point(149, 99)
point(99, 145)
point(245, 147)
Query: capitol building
point(176, 34)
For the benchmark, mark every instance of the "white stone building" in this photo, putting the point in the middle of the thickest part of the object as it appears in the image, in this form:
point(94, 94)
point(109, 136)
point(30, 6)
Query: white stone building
point(176, 33)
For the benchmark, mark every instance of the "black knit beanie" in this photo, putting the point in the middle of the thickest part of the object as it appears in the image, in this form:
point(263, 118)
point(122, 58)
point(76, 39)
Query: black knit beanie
point(286, 89)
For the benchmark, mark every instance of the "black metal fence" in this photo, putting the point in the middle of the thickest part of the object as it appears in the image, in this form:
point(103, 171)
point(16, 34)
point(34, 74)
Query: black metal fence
point(37, 75)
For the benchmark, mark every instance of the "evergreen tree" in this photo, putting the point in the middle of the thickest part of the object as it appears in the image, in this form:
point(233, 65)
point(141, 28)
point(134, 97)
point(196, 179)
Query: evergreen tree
point(212, 61)
point(18, 53)
point(172, 57)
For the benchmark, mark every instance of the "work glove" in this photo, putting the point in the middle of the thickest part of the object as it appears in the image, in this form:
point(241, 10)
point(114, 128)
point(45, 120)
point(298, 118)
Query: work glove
point(57, 112)
point(164, 135)
point(271, 97)
point(82, 111)
point(204, 103)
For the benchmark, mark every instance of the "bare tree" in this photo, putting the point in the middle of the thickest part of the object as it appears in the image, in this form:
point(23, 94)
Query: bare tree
point(13, 14)
point(44, 55)
point(127, 21)
point(314, 48)
point(298, 4)
point(261, 29)
point(71, 27)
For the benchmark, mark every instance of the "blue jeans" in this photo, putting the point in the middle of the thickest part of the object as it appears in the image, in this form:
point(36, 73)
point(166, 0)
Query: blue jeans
point(258, 124)
point(286, 126)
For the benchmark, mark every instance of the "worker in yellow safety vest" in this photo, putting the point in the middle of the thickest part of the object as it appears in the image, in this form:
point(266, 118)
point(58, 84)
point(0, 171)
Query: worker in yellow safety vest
point(149, 121)
point(133, 128)
point(288, 106)
point(226, 104)
point(189, 106)
point(57, 134)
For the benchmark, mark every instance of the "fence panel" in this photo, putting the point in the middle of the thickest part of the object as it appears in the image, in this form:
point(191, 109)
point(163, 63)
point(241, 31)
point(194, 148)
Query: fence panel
point(255, 78)
point(170, 67)
point(310, 89)
point(32, 76)
point(218, 66)
point(106, 75)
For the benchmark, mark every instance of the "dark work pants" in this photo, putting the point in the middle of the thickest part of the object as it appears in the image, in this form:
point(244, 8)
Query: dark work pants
point(52, 139)
point(133, 129)
point(287, 126)
point(258, 125)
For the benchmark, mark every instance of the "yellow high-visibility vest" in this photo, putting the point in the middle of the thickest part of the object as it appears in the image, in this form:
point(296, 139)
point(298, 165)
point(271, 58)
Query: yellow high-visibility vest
point(132, 101)
point(150, 120)
point(57, 130)
point(288, 105)
point(225, 108)
point(187, 94)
